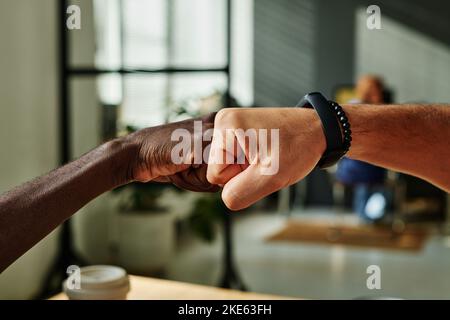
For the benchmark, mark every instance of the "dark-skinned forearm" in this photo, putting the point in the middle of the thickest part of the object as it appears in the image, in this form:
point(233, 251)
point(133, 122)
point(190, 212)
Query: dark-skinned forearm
point(413, 139)
point(31, 211)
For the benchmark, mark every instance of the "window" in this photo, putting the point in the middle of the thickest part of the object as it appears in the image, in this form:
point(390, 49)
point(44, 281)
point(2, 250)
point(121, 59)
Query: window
point(159, 34)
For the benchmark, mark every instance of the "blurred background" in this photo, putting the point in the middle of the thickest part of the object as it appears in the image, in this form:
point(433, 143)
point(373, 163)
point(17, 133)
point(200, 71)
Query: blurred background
point(138, 63)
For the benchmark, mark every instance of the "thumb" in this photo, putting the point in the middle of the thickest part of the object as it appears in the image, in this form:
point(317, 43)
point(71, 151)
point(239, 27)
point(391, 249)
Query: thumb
point(250, 186)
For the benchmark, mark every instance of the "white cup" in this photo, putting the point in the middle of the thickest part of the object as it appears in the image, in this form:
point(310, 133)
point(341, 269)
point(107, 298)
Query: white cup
point(99, 282)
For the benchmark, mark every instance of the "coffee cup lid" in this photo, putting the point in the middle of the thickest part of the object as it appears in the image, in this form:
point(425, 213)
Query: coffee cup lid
point(100, 282)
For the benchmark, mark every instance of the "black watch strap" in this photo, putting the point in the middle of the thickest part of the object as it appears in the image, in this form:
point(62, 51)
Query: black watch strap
point(337, 143)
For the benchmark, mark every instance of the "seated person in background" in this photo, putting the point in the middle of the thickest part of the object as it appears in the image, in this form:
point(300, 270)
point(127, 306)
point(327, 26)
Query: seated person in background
point(370, 197)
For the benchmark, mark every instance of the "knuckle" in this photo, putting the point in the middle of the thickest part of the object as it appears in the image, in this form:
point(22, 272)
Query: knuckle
point(217, 179)
point(231, 200)
point(231, 203)
point(212, 176)
point(227, 118)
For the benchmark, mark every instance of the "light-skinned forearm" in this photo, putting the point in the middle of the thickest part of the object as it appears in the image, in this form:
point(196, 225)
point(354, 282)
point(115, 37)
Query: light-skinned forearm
point(413, 139)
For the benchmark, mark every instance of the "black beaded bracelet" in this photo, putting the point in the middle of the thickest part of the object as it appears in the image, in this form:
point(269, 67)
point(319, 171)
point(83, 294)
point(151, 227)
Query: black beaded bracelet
point(345, 126)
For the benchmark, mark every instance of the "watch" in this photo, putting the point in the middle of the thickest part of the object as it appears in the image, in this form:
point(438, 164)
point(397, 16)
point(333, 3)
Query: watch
point(335, 125)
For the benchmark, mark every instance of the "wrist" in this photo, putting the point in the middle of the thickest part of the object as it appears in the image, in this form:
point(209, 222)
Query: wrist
point(311, 125)
point(317, 131)
point(123, 155)
point(362, 129)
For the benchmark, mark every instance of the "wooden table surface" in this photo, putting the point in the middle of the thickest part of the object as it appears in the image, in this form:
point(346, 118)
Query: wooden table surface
point(143, 288)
